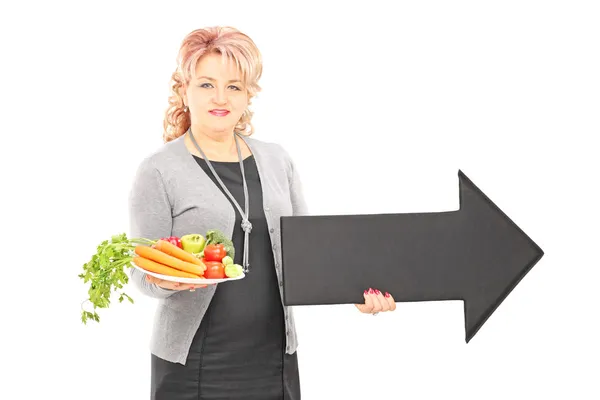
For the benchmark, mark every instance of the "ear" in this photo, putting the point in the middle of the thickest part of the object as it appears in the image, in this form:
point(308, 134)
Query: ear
point(182, 92)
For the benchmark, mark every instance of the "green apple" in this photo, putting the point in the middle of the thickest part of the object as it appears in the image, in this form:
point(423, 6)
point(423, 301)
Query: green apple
point(233, 270)
point(193, 243)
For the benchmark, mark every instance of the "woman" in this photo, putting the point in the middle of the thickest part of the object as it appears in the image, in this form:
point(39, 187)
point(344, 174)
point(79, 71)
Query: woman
point(235, 340)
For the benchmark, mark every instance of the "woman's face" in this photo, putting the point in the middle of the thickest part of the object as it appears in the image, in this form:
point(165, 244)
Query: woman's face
point(217, 98)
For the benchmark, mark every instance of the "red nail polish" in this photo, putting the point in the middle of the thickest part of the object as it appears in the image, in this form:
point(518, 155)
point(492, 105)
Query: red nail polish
point(387, 294)
point(377, 292)
point(371, 291)
point(366, 292)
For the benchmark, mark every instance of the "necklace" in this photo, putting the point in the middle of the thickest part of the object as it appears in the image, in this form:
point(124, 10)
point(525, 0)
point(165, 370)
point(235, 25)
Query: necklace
point(246, 225)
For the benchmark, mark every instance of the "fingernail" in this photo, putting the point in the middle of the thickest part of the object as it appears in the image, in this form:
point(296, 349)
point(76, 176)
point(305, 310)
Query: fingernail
point(366, 292)
point(387, 294)
point(371, 291)
point(377, 291)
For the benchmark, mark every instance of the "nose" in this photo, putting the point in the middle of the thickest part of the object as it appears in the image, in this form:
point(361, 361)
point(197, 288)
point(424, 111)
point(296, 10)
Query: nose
point(220, 97)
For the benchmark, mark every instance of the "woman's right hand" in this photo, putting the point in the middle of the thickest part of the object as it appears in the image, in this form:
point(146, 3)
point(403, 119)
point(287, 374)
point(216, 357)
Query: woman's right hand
point(173, 285)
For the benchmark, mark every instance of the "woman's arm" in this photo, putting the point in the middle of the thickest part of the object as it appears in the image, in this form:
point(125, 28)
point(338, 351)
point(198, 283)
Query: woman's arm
point(299, 204)
point(149, 217)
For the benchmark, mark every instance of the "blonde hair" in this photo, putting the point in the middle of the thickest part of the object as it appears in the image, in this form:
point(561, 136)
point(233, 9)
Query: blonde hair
point(233, 46)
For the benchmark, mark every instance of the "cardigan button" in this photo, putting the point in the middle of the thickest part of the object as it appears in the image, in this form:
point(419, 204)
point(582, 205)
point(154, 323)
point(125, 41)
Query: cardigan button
point(272, 230)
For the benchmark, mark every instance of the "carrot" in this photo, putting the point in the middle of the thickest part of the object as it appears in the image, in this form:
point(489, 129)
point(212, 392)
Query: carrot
point(159, 268)
point(170, 261)
point(172, 250)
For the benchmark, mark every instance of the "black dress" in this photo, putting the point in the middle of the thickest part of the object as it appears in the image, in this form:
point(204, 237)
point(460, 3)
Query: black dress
point(238, 351)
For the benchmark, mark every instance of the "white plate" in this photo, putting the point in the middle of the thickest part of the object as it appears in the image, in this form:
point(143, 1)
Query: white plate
point(189, 280)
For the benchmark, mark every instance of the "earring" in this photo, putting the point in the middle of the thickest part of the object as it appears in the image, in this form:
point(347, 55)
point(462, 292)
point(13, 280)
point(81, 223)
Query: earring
point(185, 109)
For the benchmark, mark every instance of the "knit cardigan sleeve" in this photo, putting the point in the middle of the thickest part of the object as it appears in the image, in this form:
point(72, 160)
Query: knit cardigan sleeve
point(150, 217)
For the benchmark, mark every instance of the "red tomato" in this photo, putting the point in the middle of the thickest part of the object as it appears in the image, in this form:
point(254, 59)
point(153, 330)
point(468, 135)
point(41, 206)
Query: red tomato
point(214, 270)
point(214, 252)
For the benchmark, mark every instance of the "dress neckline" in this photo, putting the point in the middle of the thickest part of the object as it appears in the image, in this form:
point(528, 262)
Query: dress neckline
point(224, 162)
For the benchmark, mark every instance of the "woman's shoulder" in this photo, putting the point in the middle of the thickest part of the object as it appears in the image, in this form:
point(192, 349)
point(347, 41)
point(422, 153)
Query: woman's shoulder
point(269, 150)
point(164, 156)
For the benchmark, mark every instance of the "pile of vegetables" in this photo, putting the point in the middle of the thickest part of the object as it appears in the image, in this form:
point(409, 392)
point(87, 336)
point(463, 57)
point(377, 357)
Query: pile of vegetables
point(191, 256)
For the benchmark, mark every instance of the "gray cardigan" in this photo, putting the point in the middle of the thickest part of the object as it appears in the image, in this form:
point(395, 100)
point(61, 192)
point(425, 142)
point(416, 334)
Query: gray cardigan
point(172, 195)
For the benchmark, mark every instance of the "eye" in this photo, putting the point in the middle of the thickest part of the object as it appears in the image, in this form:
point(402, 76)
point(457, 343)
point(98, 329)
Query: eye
point(204, 85)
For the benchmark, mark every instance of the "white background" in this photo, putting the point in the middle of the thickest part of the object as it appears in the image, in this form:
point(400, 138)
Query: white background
point(380, 106)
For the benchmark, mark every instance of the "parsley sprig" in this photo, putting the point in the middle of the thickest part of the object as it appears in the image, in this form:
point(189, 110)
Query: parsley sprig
point(106, 272)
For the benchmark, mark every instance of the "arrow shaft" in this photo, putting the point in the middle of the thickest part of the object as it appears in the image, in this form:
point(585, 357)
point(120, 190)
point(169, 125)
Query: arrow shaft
point(406, 254)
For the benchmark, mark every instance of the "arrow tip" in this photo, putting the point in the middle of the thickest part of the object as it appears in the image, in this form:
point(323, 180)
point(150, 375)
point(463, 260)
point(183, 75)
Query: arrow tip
point(502, 253)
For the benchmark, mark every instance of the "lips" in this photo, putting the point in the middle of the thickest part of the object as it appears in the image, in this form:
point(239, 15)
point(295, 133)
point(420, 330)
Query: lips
point(219, 113)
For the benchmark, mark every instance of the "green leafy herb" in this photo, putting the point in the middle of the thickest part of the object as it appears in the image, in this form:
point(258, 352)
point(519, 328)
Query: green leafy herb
point(106, 272)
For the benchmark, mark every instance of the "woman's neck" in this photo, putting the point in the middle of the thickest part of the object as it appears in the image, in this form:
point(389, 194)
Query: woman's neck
point(218, 146)
point(215, 143)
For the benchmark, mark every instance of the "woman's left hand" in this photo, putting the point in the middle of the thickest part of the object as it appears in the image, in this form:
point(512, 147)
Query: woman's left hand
point(376, 302)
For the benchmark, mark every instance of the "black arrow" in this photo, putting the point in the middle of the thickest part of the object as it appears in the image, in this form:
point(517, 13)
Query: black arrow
point(476, 254)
